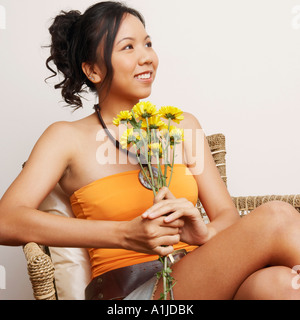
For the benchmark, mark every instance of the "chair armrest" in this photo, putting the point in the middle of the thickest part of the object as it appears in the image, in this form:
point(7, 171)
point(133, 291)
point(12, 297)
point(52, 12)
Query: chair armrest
point(41, 272)
point(247, 204)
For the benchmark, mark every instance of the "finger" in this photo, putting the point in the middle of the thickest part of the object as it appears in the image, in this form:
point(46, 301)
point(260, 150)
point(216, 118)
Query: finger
point(165, 242)
point(178, 223)
point(157, 228)
point(186, 212)
point(165, 207)
point(163, 251)
point(158, 210)
point(169, 240)
point(164, 193)
point(166, 232)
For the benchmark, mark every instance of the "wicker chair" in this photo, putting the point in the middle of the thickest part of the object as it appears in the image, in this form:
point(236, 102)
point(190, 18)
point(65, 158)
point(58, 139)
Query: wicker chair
point(41, 268)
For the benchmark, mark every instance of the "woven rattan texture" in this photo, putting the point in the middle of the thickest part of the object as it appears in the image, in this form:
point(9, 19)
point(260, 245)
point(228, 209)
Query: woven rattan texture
point(41, 272)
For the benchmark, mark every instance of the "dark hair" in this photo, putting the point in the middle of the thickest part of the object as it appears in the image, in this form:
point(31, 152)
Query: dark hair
point(75, 39)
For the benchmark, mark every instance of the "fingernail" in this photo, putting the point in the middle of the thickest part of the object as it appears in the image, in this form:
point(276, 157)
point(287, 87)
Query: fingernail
point(146, 213)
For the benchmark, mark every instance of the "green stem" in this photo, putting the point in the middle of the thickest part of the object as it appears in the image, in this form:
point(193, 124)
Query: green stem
point(172, 166)
point(149, 155)
point(152, 178)
point(165, 278)
point(167, 153)
point(161, 180)
point(145, 174)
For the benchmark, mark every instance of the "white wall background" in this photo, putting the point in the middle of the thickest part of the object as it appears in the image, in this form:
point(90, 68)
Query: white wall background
point(235, 64)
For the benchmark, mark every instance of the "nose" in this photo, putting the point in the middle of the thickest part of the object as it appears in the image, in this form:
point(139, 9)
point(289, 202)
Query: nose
point(146, 57)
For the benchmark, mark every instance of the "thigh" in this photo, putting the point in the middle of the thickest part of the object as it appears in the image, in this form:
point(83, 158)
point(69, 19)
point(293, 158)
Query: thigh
point(218, 268)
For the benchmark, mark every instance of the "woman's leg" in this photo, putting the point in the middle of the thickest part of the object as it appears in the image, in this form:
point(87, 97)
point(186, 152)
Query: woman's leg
point(269, 236)
point(268, 284)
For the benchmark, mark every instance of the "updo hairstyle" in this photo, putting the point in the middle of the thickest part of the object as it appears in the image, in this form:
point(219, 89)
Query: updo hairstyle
point(75, 39)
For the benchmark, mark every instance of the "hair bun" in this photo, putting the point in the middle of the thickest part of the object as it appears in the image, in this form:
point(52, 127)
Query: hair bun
point(61, 35)
point(64, 22)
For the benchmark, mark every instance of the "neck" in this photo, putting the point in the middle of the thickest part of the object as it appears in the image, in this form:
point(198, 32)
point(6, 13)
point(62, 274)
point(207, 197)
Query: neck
point(112, 106)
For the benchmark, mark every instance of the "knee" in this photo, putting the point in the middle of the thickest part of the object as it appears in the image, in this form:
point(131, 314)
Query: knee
point(280, 208)
point(279, 213)
point(269, 283)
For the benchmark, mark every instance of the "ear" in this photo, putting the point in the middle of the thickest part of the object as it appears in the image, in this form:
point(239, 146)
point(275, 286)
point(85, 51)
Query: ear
point(92, 72)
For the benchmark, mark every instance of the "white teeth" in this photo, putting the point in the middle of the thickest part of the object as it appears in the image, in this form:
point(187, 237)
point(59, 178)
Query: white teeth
point(144, 76)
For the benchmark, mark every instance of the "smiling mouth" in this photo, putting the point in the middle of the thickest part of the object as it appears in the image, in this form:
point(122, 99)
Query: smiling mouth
point(143, 76)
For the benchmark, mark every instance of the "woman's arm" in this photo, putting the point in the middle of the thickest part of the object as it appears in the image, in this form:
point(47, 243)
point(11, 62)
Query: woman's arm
point(22, 222)
point(212, 191)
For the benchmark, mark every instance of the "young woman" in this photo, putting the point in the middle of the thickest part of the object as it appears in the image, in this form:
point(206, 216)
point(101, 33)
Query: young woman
point(108, 50)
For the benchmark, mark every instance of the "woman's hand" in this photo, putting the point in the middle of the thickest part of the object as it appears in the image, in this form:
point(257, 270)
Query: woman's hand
point(152, 236)
point(194, 231)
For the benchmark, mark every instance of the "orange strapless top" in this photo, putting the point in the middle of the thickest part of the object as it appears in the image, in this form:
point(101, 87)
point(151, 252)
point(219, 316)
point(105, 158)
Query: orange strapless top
point(121, 197)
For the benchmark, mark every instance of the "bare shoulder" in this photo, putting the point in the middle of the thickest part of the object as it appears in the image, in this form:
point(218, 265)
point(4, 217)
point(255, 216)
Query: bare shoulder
point(190, 121)
point(60, 128)
point(55, 145)
point(61, 135)
point(193, 137)
point(49, 160)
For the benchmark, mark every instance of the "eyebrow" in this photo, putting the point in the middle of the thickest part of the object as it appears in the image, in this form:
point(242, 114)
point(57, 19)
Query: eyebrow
point(132, 39)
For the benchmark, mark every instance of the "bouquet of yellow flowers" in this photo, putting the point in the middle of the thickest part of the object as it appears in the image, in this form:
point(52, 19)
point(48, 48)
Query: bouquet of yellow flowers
point(153, 141)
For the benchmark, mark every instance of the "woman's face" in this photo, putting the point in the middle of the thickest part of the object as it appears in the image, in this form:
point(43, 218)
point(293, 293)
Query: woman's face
point(133, 60)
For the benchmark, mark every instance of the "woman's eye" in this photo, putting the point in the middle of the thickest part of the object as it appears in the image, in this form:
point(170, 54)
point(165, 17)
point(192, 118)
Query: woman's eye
point(149, 44)
point(128, 47)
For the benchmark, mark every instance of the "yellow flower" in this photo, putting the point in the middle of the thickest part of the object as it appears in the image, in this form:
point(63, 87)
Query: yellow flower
point(155, 148)
point(164, 133)
point(126, 138)
point(176, 134)
point(172, 113)
point(144, 109)
point(154, 123)
point(122, 116)
point(131, 135)
point(141, 133)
